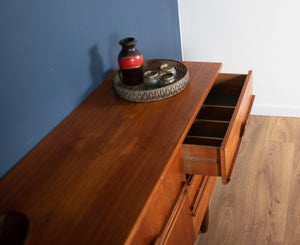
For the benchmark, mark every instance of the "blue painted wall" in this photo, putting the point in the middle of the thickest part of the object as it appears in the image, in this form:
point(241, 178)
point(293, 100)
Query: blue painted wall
point(55, 53)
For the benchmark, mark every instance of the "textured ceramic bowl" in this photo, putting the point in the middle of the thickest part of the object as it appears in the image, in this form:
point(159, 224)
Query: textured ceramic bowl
point(139, 93)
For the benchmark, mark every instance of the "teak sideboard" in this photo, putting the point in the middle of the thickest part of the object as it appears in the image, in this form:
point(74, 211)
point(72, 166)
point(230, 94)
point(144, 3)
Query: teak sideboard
point(118, 172)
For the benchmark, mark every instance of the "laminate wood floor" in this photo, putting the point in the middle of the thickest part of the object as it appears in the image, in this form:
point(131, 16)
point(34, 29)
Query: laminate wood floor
point(261, 204)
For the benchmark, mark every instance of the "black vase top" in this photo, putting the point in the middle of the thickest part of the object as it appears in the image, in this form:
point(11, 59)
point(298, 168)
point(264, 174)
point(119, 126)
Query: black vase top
point(128, 41)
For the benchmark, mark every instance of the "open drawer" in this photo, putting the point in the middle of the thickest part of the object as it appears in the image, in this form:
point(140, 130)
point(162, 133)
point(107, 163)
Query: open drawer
point(213, 141)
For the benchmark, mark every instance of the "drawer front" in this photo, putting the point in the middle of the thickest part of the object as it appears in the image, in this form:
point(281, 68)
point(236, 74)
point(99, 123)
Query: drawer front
point(193, 184)
point(201, 200)
point(161, 203)
point(213, 141)
point(179, 227)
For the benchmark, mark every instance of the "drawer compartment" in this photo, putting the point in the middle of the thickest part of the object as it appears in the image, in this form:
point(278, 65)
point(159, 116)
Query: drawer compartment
point(209, 129)
point(213, 141)
point(218, 113)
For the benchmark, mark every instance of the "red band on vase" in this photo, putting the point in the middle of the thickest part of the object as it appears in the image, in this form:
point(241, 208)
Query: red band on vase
point(131, 62)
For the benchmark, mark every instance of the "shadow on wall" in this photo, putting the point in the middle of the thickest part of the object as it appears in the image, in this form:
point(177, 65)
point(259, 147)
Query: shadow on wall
point(96, 65)
point(113, 51)
point(98, 75)
point(96, 70)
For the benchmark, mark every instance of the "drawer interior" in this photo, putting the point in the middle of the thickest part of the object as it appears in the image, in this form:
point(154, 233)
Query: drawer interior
point(226, 90)
point(218, 113)
point(214, 117)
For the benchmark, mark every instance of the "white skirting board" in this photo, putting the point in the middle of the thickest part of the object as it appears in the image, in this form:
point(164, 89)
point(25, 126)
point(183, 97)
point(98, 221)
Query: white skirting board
point(276, 110)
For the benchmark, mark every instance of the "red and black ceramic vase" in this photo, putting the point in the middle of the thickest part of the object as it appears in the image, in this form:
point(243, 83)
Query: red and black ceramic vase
point(131, 62)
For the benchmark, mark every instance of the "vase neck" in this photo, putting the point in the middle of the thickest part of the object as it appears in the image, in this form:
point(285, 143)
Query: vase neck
point(128, 42)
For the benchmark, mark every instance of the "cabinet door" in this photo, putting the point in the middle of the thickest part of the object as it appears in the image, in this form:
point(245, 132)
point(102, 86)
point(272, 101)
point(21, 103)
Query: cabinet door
point(179, 228)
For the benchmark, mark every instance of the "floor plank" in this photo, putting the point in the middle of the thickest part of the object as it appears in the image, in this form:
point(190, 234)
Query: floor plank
point(280, 129)
point(260, 205)
point(293, 215)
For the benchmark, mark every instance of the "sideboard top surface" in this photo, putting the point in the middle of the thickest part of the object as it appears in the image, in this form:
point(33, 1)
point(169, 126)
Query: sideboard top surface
point(91, 177)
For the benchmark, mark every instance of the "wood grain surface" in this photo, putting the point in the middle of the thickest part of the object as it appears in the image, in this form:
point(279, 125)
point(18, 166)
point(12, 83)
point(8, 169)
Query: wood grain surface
point(261, 204)
point(90, 179)
point(292, 231)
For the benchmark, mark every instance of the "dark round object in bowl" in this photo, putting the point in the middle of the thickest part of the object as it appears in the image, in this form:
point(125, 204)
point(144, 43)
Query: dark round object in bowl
point(166, 79)
point(151, 79)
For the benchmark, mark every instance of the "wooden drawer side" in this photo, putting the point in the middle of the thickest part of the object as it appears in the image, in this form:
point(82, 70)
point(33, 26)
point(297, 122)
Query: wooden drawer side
point(236, 126)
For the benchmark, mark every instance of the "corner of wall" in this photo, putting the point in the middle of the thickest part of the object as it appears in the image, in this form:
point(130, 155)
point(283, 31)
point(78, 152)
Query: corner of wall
point(180, 28)
point(276, 110)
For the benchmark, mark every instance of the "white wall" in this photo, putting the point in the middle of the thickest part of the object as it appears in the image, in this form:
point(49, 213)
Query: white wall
point(263, 36)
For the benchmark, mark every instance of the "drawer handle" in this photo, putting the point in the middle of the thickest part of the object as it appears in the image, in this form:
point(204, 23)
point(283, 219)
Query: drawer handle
point(204, 225)
point(234, 160)
point(243, 126)
point(190, 179)
point(204, 183)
